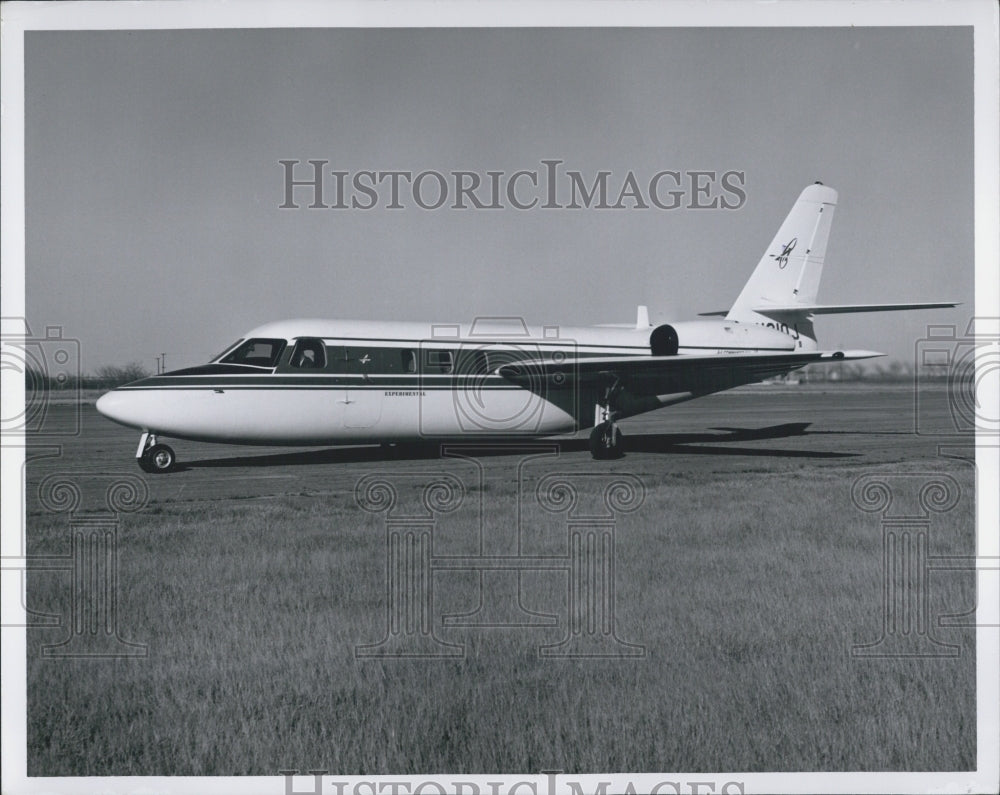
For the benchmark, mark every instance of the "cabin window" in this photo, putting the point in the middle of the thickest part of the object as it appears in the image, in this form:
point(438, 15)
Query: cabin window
point(501, 356)
point(257, 353)
point(409, 361)
point(437, 361)
point(474, 362)
point(309, 354)
point(352, 361)
point(336, 357)
point(361, 359)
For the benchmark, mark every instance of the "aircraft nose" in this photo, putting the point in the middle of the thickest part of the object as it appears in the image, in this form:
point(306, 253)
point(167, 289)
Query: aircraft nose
point(106, 404)
point(115, 406)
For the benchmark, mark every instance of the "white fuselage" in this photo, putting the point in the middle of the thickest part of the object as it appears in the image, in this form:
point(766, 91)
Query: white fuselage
point(396, 381)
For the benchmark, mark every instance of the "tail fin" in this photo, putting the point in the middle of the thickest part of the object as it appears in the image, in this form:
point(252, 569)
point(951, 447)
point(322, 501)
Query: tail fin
point(789, 272)
point(782, 289)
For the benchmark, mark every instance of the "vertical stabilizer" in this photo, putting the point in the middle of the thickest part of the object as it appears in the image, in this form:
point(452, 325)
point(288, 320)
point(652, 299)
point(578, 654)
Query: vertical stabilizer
point(790, 270)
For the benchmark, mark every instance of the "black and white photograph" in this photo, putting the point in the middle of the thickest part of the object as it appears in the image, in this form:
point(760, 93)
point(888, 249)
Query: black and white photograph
point(500, 398)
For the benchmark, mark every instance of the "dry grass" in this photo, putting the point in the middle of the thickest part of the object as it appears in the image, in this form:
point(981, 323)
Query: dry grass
point(747, 592)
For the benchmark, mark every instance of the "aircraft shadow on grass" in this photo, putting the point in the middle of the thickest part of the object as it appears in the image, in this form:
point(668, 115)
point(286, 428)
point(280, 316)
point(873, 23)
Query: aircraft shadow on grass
point(661, 443)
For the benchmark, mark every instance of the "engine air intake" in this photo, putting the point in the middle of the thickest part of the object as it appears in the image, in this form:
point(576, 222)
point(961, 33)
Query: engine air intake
point(664, 341)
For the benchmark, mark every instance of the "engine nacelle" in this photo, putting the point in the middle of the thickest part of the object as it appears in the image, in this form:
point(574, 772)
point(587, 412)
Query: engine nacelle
point(705, 337)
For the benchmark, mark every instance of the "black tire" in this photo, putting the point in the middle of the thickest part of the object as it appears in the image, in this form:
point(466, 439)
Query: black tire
point(606, 441)
point(597, 448)
point(158, 459)
point(615, 444)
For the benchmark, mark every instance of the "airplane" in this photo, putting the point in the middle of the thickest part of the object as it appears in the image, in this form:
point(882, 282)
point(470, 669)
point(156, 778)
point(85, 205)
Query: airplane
point(354, 382)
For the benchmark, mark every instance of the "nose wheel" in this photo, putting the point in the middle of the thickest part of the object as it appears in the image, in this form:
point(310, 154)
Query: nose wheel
point(153, 457)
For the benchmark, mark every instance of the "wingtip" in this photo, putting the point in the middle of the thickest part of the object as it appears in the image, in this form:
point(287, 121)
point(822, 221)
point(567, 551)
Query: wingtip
point(845, 355)
point(864, 354)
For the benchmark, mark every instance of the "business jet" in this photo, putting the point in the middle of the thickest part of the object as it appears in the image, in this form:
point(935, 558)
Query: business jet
point(341, 382)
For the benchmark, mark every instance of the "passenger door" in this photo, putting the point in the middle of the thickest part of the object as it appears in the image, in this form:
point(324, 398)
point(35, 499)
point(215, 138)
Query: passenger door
point(309, 370)
point(362, 395)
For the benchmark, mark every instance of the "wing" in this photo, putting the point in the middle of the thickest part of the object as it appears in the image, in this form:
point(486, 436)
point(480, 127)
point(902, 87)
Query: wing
point(661, 374)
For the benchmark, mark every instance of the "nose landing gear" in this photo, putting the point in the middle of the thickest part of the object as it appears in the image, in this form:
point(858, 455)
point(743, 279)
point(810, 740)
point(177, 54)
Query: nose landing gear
point(154, 458)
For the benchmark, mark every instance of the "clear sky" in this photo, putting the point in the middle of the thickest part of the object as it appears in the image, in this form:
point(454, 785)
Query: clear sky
point(154, 184)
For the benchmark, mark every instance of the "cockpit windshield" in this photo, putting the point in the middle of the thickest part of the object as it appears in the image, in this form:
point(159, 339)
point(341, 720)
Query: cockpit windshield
point(226, 349)
point(257, 352)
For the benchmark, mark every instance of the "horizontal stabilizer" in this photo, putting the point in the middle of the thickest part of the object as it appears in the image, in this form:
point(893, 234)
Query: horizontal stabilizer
point(841, 309)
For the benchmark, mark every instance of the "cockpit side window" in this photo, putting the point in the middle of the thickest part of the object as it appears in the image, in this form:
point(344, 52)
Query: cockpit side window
point(257, 353)
point(309, 354)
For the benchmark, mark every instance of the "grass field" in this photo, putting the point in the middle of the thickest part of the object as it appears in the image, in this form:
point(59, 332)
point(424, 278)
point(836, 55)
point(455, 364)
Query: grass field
point(747, 574)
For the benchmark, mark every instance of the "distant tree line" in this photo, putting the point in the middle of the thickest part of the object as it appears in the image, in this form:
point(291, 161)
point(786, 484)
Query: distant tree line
point(874, 372)
point(107, 377)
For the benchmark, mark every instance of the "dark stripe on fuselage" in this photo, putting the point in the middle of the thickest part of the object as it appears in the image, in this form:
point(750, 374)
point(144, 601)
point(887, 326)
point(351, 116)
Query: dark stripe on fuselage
point(327, 387)
point(525, 346)
point(474, 343)
point(235, 377)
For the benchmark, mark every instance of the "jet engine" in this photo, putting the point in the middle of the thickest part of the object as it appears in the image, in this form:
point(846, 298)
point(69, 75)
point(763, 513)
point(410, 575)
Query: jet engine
point(705, 337)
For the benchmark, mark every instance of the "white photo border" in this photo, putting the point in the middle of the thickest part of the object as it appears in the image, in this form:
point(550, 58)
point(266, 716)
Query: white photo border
point(19, 17)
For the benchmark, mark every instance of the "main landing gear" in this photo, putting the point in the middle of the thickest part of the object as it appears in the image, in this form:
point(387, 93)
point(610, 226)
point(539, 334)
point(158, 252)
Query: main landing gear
point(606, 438)
point(606, 441)
point(154, 458)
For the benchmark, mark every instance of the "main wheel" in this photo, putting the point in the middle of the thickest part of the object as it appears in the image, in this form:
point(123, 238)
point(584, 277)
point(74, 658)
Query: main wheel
point(606, 441)
point(157, 459)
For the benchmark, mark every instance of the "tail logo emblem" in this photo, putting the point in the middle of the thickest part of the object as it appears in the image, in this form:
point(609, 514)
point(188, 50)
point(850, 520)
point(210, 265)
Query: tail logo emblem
point(783, 256)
